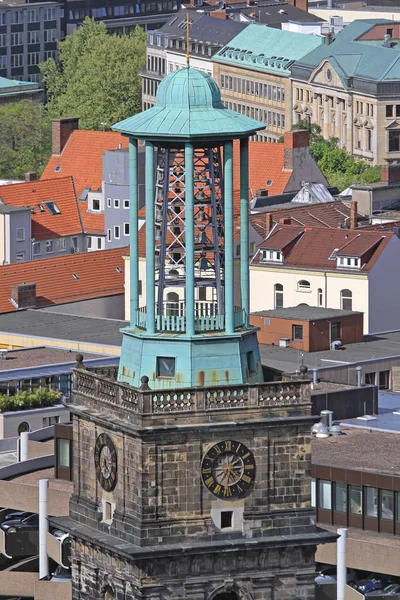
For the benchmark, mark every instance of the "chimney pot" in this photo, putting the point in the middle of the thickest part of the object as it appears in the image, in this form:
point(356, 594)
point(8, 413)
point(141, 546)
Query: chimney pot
point(285, 221)
point(353, 214)
point(30, 176)
point(268, 223)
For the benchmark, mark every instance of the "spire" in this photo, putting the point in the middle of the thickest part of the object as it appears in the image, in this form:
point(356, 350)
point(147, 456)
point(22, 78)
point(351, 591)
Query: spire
point(187, 39)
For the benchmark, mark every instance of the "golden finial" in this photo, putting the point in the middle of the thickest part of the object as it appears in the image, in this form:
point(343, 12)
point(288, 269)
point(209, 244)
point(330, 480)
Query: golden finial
point(187, 39)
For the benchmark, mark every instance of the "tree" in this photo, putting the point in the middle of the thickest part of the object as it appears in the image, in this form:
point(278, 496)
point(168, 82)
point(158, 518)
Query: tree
point(339, 167)
point(25, 139)
point(97, 76)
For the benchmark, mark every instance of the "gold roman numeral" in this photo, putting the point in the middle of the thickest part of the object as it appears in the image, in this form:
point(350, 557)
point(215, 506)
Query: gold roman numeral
point(209, 481)
point(228, 446)
point(246, 479)
point(227, 491)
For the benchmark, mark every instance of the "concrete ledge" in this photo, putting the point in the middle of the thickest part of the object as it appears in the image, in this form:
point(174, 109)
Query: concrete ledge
point(20, 496)
point(52, 590)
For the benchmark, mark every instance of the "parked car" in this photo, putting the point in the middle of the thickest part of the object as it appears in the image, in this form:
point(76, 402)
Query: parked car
point(61, 574)
point(328, 574)
point(23, 523)
point(365, 586)
point(17, 514)
point(393, 589)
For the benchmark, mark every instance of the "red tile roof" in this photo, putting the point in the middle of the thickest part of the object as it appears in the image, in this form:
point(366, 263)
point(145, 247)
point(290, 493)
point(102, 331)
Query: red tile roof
point(55, 284)
point(93, 222)
point(326, 214)
point(316, 245)
point(82, 157)
point(61, 191)
point(281, 237)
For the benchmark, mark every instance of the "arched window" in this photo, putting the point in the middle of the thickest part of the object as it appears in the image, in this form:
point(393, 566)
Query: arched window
point(23, 427)
point(172, 304)
point(109, 593)
point(320, 297)
point(303, 284)
point(346, 300)
point(278, 292)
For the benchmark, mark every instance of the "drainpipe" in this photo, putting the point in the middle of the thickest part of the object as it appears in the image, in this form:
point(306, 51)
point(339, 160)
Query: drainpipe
point(359, 370)
point(341, 563)
point(43, 528)
point(23, 446)
point(315, 376)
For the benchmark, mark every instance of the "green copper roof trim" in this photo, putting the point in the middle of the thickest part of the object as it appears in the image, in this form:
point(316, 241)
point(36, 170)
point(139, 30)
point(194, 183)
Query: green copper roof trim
point(267, 49)
point(188, 105)
point(10, 83)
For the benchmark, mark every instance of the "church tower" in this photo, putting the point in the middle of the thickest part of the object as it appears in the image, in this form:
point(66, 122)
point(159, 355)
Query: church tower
point(192, 476)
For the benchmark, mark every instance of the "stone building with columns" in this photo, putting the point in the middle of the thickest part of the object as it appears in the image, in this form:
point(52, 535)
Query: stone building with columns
point(350, 87)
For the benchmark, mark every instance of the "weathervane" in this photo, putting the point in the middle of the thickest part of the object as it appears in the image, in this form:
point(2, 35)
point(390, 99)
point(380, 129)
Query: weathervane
point(187, 39)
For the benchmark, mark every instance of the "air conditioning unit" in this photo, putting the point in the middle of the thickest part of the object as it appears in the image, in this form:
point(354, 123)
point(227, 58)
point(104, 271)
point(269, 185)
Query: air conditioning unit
point(284, 342)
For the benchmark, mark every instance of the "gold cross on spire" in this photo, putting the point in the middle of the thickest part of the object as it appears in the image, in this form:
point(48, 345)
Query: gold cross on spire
point(188, 23)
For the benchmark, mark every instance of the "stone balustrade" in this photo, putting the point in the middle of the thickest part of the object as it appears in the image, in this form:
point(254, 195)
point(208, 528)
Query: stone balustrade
point(281, 394)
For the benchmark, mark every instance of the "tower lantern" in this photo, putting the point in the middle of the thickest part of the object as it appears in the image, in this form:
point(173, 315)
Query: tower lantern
point(189, 331)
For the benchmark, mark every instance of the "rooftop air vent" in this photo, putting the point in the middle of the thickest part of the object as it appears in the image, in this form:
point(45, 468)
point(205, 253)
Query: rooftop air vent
point(367, 418)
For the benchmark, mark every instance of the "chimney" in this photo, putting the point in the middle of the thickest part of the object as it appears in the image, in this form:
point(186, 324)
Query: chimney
point(268, 223)
point(353, 215)
point(294, 142)
point(30, 176)
point(61, 129)
point(285, 221)
point(219, 14)
point(23, 295)
point(390, 174)
point(301, 4)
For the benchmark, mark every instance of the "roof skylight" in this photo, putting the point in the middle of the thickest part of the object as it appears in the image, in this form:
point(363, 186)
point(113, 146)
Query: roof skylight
point(75, 276)
point(52, 207)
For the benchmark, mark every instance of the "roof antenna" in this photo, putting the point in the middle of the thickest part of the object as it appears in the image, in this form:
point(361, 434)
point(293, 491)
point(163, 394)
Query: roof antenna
point(187, 40)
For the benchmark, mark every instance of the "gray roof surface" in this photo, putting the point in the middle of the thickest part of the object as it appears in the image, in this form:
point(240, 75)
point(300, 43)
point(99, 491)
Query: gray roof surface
point(306, 313)
point(204, 28)
point(375, 452)
point(51, 325)
point(373, 348)
point(5, 208)
point(274, 13)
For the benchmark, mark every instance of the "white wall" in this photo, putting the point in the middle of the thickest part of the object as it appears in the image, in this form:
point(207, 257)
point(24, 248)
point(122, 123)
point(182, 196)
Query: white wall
point(202, 64)
point(263, 280)
point(10, 421)
point(384, 290)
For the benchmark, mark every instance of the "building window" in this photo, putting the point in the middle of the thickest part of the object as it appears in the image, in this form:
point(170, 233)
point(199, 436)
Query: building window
point(126, 228)
point(126, 203)
point(313, 492)
point(386, 502)
point(251, 362)
point(116, 232)
point(75, 244)
point(335, 331)
point(346, 300)
point(17, 60)
point(371, 501)
point(355, 497)
point(16, 17)
point(370, 378)
point(278, 292)
point(20, 257)
point(16, 39)
point(320, 297)
point(165, 366)
point(50, 35)
point(297, 332)
point(109, 202)
point(108, 235)
point(62, 244)
point(20, 234)
point(99, 243)
point(389, 110)
point(325, 494)
point(33, 37)
point(49, 246)
point(63, 453)
point(394, 140)
point(95, 204)
point(36, 248)
point(383, 380)
point(89, 243)
point(116, 202)
point(33, 59)
point(303, 284)
point(341, 497)
point(23, 427)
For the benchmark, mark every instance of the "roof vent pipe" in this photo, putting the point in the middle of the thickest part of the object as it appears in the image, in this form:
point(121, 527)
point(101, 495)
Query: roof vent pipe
point(315, 376)
point(359, 375)
point(327, 418)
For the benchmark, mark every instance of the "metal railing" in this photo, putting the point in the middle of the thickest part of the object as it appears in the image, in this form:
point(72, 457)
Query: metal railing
point(206, 319)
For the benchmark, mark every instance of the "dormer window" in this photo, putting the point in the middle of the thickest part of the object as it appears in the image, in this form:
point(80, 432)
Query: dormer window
point(271, 256)
point(348, 262)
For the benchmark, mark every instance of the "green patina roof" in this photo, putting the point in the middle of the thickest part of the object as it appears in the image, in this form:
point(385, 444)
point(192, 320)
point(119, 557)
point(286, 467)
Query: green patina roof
point(7, 83)
point(188, 105)
point(352, 57)
point(267, 49)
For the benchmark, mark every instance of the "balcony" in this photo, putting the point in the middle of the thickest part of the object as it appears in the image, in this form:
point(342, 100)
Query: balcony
point(206, 320)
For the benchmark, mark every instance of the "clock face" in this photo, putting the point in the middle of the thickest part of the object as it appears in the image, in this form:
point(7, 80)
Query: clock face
point(228, 469)
point(105, 460)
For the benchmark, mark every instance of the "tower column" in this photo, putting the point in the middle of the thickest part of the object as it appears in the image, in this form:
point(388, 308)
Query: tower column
point(228, 226)
point(133, 228)
point(150, 242)
point(189, 238)
point(244, 227)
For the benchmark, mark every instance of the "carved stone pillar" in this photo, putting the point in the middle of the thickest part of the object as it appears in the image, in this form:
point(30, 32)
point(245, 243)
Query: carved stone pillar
point(349, 115)
point(315, 110)
point(338, 121)
point(327, 117)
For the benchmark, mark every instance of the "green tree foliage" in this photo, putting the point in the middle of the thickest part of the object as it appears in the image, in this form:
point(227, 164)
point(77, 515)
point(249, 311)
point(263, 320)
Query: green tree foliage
point(26, 400)
point(97, 76)
point(339, 167)
point(25, 138)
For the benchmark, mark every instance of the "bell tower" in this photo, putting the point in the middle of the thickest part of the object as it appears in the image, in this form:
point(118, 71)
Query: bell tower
point(189, 331)
point(192, 476)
